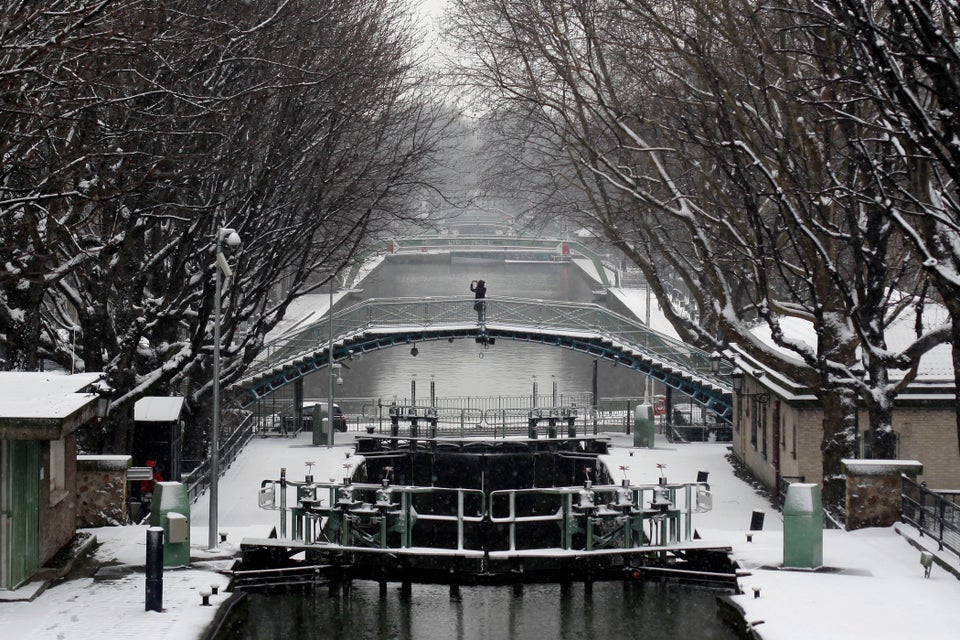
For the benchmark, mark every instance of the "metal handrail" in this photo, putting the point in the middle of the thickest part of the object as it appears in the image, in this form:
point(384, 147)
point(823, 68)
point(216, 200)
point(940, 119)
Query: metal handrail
point(199, 479)
point(453, 312)
point(931, 513)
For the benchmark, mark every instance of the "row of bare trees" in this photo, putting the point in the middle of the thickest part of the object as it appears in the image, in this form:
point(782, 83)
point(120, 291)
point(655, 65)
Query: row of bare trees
point(131, 130)
point(784, 161)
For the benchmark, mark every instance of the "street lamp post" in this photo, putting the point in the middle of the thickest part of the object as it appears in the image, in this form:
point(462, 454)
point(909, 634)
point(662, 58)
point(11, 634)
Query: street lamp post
point(332, 373)
point(223, 270)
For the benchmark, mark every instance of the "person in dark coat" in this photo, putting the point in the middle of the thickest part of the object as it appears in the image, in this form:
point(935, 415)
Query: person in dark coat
point(479, 289)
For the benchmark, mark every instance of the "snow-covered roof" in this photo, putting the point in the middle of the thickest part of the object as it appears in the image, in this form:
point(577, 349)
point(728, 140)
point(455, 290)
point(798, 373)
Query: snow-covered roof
point(935, 366)
point(37, 395)
point(158, 409)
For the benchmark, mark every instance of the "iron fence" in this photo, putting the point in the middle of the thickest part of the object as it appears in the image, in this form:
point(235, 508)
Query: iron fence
point(934, 513)
point(198, 479)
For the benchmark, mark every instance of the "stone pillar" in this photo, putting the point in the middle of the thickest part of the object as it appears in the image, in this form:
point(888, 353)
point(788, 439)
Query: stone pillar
point(873, 491)
point(102, 490)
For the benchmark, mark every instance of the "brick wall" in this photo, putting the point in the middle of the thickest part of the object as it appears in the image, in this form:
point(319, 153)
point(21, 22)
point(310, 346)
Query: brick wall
point(929, 435)
point(926, 433)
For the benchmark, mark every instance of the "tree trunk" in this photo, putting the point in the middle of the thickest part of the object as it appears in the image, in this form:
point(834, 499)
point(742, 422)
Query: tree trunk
point(839, 440)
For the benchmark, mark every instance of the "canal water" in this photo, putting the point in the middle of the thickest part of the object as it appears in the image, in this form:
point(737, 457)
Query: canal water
point(506, 369)
point(609, 610)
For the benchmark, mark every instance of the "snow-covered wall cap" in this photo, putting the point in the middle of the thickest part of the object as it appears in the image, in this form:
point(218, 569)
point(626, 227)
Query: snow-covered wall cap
point(104, 463)
point(881, 467)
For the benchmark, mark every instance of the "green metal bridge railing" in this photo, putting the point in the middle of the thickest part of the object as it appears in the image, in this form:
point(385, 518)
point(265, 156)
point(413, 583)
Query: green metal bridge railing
point(380, 322)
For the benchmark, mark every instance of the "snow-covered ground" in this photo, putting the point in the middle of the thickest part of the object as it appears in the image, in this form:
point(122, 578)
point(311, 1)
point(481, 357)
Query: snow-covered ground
point(872, 587)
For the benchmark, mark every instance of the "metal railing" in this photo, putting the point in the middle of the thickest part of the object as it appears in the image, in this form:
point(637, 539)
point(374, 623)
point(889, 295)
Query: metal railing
point(198, 479)
point(564, 318)
point(934, 513)
point(588, 518)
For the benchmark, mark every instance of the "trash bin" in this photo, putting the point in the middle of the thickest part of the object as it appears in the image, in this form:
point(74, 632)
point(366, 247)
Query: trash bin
point(643, 427)
point(803, 527)
point(171, 511)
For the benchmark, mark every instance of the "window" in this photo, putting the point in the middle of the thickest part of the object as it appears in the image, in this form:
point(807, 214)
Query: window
point(761, 418)
point(58, 470)
point(793, 443)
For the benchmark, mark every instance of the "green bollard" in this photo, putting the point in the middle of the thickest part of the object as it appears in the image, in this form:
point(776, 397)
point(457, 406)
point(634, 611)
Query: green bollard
point(643, 426)
point(803, 527)
point(171, 510)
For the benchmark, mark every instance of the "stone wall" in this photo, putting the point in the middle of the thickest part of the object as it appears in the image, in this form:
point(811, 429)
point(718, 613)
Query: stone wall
point(102, 490)
point(873, 491)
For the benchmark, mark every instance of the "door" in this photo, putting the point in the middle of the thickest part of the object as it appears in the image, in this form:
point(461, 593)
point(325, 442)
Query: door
point(19, 511)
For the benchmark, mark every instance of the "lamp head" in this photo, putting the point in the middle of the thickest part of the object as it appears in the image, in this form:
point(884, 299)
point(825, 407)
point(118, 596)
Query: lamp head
point(736, 380)
point(230, 237)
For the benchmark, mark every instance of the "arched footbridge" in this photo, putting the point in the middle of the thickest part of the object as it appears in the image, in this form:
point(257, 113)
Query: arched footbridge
point(505, 244)
point(588, 328)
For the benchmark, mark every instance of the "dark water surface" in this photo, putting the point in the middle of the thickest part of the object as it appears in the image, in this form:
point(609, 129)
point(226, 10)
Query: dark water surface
point(614, 610)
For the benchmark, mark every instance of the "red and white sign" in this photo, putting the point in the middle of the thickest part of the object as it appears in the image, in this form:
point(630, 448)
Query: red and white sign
point(660, 406)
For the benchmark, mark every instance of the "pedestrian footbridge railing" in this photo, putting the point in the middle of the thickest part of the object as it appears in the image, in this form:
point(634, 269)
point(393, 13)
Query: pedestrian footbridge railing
point(384, 322)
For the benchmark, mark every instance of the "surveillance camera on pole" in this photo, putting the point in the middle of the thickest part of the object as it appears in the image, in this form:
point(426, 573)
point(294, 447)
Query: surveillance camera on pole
point(232, 239)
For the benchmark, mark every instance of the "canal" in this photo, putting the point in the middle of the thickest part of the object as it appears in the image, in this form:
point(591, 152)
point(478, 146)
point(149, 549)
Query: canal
point(359, 610)
point(606, 611)
point(506, 369)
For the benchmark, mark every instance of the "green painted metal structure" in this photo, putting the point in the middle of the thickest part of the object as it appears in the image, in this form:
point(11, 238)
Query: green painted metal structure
point(588, 328)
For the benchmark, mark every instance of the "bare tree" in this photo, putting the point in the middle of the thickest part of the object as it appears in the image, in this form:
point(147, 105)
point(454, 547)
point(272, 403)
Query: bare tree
point(702, 142)
point(906, 58)
point(306, 126)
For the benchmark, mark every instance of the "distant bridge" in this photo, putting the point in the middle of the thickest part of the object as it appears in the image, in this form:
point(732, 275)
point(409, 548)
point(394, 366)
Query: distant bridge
point(561, 249)
point(588, 328)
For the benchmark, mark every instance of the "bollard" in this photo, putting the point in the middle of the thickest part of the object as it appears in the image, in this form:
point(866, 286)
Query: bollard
point(803, 527)
point(644, 426)
point(153, 601)
point(171, 510)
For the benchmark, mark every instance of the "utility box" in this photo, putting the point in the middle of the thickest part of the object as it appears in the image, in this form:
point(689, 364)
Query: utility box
point(319, 426)
point(643, 427)
point(177, 524)
point(171, 511)
point(803, 527)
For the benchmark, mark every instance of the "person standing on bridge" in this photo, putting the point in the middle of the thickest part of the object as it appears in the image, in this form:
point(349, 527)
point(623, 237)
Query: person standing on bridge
point(479, 289)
